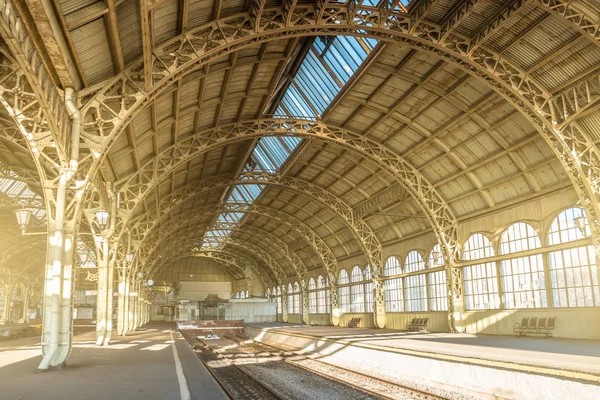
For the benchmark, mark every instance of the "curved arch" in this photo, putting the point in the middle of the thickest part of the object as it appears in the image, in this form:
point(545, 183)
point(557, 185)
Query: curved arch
point(393, 266)
point(311, 237)
point(365, 235)
point(511, 239)
point(295, 261)
point(241, 261)
point(232, 265)
point(561, 223)
point(435, 208)
point(261, 253)
point(184, 54)
point(319, 246)
point(180, 245)
point(30, 97)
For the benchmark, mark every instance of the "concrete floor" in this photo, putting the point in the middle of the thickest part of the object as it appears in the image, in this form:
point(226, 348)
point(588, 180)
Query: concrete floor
point(562, 354)
point(139, 366)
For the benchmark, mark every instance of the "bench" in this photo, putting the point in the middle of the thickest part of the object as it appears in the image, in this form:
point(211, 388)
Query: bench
point(417, 324)
point(535, 325)
point(353, 323)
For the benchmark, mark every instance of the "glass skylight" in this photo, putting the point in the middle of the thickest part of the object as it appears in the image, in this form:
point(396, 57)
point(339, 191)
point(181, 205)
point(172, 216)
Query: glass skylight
point(21, 193)
point(326, 68)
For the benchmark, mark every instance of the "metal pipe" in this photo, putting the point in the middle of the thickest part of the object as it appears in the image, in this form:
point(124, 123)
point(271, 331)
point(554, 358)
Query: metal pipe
point(75, 128)
point(105, 281)
point(56, 270)
point(66, 174)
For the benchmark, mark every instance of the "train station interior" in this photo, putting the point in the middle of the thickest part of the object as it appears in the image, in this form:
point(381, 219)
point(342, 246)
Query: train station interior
point(297, 199)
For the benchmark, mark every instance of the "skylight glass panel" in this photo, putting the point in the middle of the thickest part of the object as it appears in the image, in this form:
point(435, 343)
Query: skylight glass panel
point(275, 148)
point(296, 104)
point(326, 68)
point(230, 217)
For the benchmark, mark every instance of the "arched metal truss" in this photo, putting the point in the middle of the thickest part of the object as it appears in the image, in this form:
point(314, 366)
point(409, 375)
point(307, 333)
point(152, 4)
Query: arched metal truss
point(274, 242)
point(153, 237)
point(184, 242)
point(440, 215)
point(108, 109)
point(29, 94)
point(366, 237)
point(195, 237)
point(35, 105)
point(180, 245)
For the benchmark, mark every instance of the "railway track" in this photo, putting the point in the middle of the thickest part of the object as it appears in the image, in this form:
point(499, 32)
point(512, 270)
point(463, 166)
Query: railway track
point(377, 387)
point(244, 372)
point(237, 383)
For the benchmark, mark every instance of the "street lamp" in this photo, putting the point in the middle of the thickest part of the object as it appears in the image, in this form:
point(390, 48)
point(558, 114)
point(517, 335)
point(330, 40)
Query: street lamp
point(102, 218)
point(436, 258)
point(83, 256)
point(129, 257)
point(580, 224)
point(23, 217)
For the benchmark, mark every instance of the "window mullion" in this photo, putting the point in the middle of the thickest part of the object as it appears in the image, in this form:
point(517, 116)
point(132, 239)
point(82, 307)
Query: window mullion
point(499, 284)
point(548, 279)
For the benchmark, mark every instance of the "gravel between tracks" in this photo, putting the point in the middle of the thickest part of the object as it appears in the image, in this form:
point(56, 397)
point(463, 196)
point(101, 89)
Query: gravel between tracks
point(396, 387)
point(288, 381)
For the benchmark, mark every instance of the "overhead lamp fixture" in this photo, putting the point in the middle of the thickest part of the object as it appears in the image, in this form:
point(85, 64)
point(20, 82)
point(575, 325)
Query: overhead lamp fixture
point(83, 257)
point(102, 218)
point(436, 257)
point(129, 257)
point(580, 224)
point(23, 218)
point(140, 274)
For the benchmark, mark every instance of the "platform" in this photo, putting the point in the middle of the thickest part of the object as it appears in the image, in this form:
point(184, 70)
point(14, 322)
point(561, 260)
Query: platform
point(139, 366)
point(522, 363)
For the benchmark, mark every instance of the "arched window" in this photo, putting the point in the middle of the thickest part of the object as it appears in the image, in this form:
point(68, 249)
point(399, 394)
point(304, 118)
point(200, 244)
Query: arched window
point(344, 292)
point(392, 267)
point(312, 296)
point(368, 290)
point(290, 298)
point(438, 287)
point(278, 298)
point(237, 295)
point(394, 296)
point(297, 295)
point(279, 305)
point(322, 296)
point(343, 277)
point(573, 272)
point(415, 285)
point(480, 280)
point(357, 291)
point(523, 281)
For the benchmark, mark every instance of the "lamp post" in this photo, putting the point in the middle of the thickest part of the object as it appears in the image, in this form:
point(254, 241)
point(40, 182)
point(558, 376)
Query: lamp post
point(23, 219)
